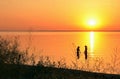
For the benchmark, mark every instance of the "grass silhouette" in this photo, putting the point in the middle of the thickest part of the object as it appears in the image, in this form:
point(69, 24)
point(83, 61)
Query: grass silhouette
point(17, 64)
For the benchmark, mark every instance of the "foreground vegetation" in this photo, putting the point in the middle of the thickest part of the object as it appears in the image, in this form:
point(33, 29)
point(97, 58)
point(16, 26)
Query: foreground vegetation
point(37, 72)
point(18, 64)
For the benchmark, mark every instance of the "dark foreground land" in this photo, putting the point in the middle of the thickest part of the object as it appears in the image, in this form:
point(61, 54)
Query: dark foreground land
point(37, 72)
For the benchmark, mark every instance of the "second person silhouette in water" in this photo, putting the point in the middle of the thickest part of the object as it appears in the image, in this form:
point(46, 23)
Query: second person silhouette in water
point(85, 52)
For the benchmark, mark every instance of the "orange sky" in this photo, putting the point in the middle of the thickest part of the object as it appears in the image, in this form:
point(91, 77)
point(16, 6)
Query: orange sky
point(58, 14)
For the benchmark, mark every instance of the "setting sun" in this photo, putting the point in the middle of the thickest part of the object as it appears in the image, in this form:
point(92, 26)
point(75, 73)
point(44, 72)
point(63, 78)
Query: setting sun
point(91, 22)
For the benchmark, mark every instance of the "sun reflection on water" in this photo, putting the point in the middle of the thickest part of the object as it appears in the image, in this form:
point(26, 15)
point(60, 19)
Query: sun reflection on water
point(91, 43)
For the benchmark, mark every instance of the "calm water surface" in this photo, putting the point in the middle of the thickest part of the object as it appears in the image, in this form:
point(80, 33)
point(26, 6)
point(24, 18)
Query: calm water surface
point(63, 44)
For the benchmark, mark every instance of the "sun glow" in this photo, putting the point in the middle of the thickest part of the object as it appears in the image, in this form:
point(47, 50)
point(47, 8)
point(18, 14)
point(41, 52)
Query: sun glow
point(91, 22)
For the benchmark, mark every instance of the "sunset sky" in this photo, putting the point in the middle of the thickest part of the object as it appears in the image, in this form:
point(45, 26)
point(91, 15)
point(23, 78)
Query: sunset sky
point(59, 14)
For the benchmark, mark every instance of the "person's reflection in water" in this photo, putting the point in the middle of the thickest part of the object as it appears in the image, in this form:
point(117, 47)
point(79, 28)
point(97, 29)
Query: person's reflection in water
point(85, 52)
point(78, 52)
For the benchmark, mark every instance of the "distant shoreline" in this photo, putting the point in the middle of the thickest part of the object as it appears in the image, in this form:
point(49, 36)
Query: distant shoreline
point(59, 30)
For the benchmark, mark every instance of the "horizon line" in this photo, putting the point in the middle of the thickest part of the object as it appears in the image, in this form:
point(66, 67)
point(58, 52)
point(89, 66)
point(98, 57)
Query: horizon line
point(59, 30)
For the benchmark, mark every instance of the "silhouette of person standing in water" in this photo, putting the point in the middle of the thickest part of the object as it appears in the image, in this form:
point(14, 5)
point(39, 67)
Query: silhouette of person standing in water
point(78, 52)
point(85, 52)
